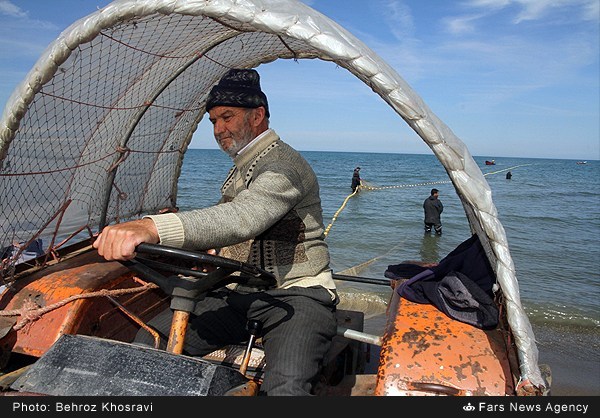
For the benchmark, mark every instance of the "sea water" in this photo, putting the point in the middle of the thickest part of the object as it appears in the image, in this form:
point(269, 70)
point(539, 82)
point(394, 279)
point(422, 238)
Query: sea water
point(550, 210)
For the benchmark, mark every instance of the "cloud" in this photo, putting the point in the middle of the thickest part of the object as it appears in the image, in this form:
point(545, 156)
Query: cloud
point(530, 10)
point(591, 10)
point(488, 4)
point(537, 9)
point(10, 9)
point(13, 17)
point(400, 19)
point(462, 24)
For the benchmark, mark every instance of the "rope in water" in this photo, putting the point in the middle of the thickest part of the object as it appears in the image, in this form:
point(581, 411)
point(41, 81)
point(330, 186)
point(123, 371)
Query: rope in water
point(398, 187)
point(506, 169)
point(404, 185)
point(355, 270)
point(339, 210)
point(362, 187)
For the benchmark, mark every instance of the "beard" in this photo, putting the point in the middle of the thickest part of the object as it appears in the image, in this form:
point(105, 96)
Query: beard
point(232, 142)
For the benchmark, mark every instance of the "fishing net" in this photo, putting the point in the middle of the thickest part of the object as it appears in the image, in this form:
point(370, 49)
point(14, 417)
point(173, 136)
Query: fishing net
point(103, 139)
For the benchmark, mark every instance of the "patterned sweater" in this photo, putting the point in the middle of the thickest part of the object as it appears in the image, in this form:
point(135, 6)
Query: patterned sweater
point(269, 216)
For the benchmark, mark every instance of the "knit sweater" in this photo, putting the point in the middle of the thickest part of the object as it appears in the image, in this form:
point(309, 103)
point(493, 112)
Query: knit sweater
point(269, 216)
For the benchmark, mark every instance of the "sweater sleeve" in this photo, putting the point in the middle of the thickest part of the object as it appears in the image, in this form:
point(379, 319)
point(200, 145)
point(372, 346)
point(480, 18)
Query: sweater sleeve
point(273, 193)
point(170, 229)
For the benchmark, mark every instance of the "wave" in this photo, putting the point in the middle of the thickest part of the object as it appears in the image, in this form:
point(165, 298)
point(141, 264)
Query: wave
point(556, 317)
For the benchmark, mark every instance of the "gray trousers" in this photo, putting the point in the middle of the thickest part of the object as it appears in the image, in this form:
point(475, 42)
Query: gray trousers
point(298, 325)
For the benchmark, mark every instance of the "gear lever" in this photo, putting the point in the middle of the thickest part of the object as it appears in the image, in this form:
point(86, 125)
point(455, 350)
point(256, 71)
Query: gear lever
point(254, 328)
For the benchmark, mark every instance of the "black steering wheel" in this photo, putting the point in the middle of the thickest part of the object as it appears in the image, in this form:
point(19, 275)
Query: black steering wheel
point(189, 281)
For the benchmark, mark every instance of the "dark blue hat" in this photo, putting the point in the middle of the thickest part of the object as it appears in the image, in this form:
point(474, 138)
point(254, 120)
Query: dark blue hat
point(238, 88)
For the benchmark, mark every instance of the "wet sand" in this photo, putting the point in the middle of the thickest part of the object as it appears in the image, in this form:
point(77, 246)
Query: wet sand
point(573, 355)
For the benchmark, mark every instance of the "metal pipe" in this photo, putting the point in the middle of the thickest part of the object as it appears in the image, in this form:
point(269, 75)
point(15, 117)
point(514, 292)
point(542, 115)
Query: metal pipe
point(138, 321)
point(359, 336)
point(370, 280)
point(178, 329)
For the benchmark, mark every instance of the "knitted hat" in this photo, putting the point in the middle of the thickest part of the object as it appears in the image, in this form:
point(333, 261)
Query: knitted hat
point(238, 88)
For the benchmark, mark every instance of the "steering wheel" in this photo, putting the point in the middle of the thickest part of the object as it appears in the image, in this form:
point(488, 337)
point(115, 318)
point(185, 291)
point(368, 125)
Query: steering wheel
point(189, 284)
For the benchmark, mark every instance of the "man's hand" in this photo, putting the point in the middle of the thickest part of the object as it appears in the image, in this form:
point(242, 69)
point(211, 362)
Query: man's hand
point(118, 242)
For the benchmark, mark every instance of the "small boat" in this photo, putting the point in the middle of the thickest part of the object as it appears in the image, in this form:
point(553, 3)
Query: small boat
point(490, 162)
point(581, 162)
point(88, 139)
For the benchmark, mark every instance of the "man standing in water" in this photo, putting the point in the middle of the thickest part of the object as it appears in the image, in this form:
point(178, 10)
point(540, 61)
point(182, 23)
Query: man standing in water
point(356, 179)
point(433, 209)
point(269, 216)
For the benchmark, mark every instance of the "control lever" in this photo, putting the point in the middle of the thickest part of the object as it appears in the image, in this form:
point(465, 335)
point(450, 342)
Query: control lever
point(254, 328)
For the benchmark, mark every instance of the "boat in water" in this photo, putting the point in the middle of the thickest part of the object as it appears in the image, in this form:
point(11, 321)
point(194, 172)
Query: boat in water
point(87, 139)
point(490, 162)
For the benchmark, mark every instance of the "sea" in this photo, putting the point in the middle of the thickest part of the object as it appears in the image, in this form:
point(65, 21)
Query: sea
point(549, 208)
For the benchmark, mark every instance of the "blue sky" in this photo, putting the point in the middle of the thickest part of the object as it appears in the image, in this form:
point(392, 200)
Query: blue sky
point(512, 78)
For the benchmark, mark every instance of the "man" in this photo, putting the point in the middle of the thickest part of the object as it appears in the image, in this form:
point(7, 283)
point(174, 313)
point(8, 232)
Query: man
point(433, 210)
point(355, 179)
point(270, 216)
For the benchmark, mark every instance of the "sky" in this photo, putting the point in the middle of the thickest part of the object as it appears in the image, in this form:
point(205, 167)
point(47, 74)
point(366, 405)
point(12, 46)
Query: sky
point(511, 78)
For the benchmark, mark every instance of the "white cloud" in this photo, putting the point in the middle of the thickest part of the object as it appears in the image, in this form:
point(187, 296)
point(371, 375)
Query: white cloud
point(578, 9)
point(529, 10)
point(462, 24)
point(10, 9)
point(400, 17)
point(488, 4)
point(591, 10)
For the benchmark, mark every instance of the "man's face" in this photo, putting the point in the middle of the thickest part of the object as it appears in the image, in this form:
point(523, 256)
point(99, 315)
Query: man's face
point(232, 128)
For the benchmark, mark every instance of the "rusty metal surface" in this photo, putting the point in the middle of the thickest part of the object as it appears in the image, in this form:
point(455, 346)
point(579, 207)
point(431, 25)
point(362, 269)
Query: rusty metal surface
point(95, 316)
point(177, 334)
point(424, 352)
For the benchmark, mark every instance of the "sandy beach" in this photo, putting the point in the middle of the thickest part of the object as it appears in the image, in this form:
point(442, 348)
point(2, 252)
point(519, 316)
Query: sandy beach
point(577, 374)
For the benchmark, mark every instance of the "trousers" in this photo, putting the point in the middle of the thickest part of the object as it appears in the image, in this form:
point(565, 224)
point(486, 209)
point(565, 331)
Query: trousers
point(298, 325)
point(437, 227)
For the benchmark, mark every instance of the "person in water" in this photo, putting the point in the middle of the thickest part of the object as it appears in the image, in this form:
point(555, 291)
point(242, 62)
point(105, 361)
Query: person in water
point(433, 209)
point(508, 175)
point(356, 182)
point(269, 216)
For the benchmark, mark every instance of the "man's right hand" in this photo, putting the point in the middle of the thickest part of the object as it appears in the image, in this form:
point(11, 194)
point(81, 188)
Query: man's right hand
point(118, 242)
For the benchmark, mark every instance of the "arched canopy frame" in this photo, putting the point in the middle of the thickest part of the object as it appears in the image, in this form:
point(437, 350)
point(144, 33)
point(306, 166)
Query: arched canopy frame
point(97, 131)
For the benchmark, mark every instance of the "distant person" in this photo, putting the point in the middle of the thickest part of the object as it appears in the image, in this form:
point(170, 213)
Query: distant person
point(433, 209)
point(356, 179)
point(508, 175)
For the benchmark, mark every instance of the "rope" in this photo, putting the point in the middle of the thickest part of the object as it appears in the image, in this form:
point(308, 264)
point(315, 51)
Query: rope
point(31, 312)
point(353, 270)
point(406, 185)
point(506, 169)
point(339, 210)
point(361, 186)
point(357, 269)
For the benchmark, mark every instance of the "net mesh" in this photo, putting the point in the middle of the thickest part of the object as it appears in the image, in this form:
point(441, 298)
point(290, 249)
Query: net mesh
point(103, 141)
